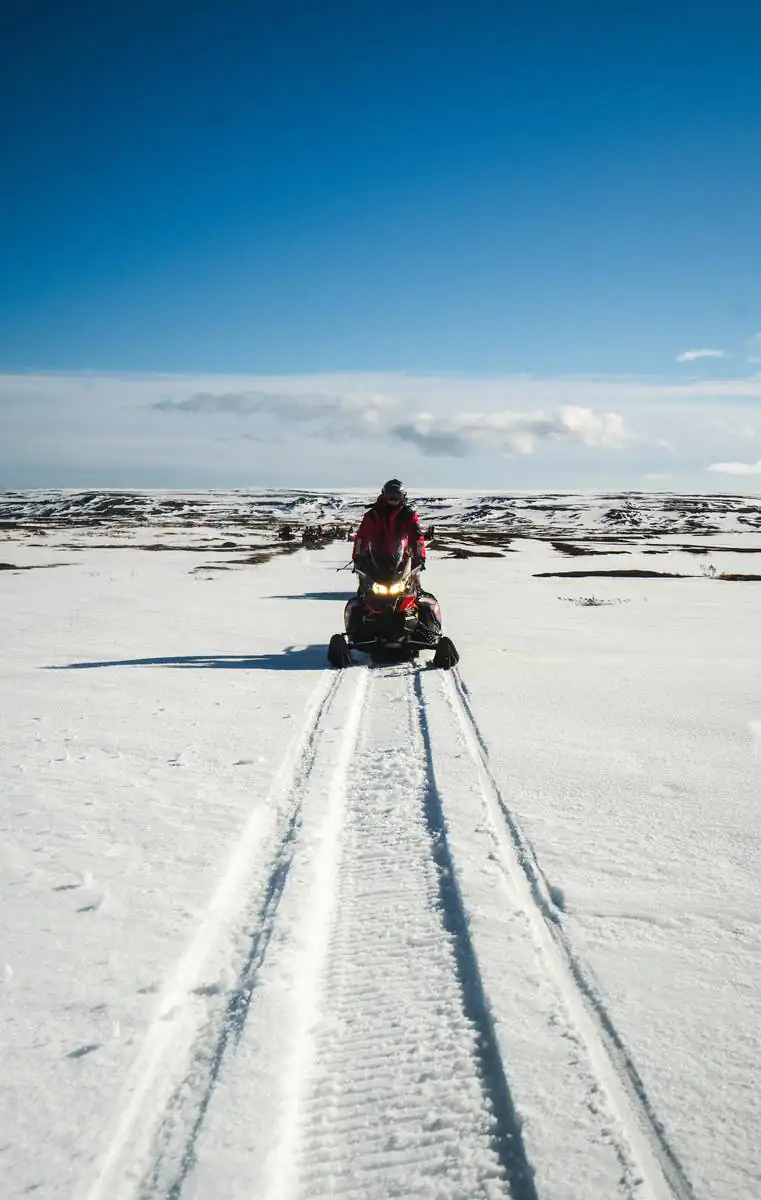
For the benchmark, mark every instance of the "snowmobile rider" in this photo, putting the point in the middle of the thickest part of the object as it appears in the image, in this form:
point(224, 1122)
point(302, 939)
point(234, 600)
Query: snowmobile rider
point(389, 521)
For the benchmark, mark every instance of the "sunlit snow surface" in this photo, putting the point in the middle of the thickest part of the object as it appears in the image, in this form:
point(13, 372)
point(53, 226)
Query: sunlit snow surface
point(273, 931)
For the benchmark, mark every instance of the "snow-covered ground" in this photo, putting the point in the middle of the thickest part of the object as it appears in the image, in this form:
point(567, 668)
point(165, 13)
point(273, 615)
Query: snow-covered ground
point(270, 930)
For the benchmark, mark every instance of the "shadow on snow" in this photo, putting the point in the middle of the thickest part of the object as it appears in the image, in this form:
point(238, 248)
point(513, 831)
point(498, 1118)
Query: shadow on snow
point(292, 658)
point(335, 596)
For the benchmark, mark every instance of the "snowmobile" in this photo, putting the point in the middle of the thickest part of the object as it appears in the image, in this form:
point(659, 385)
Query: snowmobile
point(391, 618)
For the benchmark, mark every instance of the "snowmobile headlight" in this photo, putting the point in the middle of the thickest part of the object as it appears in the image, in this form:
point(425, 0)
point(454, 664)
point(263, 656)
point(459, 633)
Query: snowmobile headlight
point(396, 588)
point(381, 589)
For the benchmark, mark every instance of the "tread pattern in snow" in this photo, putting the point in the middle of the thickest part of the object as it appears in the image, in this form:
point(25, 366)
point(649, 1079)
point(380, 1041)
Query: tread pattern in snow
point(175, 1150)
point(666, 1175)
point(400, 1102)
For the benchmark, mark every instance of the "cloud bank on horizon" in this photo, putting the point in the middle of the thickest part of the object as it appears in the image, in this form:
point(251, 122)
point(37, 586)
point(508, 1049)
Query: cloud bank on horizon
point(344, 429)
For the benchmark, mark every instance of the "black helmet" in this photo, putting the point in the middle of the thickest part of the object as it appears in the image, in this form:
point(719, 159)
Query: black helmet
point(393, 491)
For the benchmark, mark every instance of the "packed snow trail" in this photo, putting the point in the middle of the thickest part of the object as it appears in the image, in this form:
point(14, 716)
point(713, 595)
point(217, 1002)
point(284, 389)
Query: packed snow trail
point(404, 1098)
point(366, 1066)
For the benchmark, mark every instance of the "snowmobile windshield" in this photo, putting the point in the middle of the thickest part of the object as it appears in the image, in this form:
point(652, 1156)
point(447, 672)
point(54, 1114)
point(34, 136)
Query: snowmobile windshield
point(389, 567)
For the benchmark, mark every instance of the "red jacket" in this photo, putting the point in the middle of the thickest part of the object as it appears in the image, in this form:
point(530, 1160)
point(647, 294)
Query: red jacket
point(383, 527)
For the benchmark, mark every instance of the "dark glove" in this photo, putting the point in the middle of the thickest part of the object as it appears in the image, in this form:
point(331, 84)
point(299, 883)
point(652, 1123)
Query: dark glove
point(419, 565)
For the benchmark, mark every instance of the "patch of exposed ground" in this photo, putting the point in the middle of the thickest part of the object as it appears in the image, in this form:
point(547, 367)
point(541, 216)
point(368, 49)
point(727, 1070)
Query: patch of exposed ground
point(4, 566)
point(573, 550)
point(736, 577)
point(729, 576)
point(622, 574)
point(466, 552)
point(465, 542)
point(592, 601)
point(718, 549)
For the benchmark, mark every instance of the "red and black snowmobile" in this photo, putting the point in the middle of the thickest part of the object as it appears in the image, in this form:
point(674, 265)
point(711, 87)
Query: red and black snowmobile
point(391, 618)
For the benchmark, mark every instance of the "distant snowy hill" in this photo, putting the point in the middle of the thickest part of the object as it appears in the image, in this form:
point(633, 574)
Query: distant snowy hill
point(555, 514)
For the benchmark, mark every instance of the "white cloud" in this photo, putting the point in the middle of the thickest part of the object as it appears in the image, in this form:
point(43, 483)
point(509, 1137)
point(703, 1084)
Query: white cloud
point(691, 355)
point(736, 468)
point(459, 435)
point(509, 432)
point(347, 416)
point(292, 404)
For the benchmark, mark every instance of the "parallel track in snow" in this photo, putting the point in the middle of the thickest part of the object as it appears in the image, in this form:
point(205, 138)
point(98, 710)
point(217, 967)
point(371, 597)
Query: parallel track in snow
point(188, 1108)
point(655, 1157)
point(391, 1079)
point(406, 1085)
point(151, 1148)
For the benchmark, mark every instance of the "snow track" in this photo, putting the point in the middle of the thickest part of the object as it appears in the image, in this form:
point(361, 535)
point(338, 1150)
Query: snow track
point(358, 1014)
point(405, 1095)
point(165, 1100)
point(365, 1044)
point(655, 1167)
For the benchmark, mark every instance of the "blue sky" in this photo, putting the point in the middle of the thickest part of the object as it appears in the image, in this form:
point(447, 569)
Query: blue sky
point(479, 191)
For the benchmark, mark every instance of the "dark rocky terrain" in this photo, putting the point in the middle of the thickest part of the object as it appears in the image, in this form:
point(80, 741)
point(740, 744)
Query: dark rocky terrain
point(251, 526)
